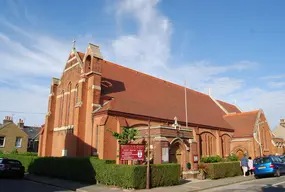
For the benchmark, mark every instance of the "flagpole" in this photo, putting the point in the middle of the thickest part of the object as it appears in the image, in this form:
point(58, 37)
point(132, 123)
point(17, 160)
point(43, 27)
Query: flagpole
point(186, 111)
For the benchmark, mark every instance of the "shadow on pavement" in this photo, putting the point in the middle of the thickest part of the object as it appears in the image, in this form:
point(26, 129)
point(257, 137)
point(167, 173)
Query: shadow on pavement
point(270, 188)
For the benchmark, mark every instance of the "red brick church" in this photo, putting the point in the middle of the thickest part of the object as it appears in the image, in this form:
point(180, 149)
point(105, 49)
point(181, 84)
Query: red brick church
point(94, 95)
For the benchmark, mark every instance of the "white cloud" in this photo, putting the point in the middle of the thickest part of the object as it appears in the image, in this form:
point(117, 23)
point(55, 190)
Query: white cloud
point(275, 84)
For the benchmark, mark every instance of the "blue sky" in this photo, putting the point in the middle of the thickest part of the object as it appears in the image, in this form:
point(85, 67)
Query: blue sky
point(233, 47)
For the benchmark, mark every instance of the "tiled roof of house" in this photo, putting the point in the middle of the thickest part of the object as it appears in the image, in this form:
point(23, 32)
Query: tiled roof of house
point(141, 94)
point(31, 131)
point(243, 123)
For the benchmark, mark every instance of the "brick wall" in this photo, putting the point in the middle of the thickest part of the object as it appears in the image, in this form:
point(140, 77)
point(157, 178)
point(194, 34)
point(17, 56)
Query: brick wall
point(10, 132)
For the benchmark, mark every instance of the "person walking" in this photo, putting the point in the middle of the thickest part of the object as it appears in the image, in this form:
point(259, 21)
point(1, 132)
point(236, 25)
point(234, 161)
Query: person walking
point(250, 165)
point(244, 165)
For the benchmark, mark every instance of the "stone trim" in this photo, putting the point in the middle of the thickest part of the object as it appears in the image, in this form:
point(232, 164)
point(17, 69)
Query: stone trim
point(71, 59)
point(241, 139)
point(81, 80)
point(219, 105)
point(52, 94)
point(72, 66)
point(96, 87)
point(160, 138)
point(159, 135)
point(190, 172)
point(73, 90)
point(64, 128)
point(66, 93)
point(95, 105)
point(101, 106)
point(164, 127)
point(93, 72)
point(59, 96)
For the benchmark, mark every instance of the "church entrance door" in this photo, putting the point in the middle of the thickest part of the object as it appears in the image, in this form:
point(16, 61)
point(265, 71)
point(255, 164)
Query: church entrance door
point(175, 154)
point(240, 154)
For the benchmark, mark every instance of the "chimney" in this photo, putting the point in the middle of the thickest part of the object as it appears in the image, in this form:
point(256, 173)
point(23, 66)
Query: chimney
point(282, 122)
point(7, 119)
point(21, 124)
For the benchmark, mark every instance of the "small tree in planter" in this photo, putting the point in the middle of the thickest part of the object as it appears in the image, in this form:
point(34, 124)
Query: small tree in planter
point(126, 137)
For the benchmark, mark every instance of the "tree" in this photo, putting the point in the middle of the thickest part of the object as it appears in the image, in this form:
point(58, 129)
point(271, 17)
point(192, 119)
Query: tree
point(126, 137)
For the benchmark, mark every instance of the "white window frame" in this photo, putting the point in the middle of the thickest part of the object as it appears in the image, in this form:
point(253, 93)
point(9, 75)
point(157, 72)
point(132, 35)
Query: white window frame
point(21, 139)
point(3, 141)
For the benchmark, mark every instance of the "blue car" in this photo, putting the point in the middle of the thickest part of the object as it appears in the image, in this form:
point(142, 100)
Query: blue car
point(269, 165)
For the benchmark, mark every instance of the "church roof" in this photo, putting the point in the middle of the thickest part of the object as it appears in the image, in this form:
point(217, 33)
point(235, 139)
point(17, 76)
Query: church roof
point(137, 93)
point(242, 123)
point(229, 107)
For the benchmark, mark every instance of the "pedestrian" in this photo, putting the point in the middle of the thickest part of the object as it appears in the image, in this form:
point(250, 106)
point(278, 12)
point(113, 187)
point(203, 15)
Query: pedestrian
point(244, 165)
point(250, 165)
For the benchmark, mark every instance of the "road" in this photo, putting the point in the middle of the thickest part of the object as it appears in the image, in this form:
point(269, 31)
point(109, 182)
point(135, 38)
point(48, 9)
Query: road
point(14, 185)
point(271, 184)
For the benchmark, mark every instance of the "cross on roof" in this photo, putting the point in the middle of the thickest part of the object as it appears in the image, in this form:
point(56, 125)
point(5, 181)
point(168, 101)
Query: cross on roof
point(73, 43)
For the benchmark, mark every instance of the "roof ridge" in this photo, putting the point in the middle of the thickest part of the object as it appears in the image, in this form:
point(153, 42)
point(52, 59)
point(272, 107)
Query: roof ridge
point(150, 76)
point(242, 113)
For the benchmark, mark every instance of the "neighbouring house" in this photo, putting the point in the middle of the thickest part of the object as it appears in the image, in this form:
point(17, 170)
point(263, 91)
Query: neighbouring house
point(94, 95)
point(33, 133)
point(279, 137)
point(12, 137)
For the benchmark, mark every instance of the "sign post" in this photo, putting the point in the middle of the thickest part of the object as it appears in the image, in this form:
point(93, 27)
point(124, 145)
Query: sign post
point(148, 159)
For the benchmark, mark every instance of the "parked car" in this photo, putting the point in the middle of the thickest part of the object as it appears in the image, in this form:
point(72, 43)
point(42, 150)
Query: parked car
point(282, 157)
point(11, 168)
point(269, 165)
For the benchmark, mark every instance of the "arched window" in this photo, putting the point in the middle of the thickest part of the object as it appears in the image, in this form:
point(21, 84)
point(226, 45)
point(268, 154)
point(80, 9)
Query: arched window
point(68, 104)
point(61, 104)
point(76, 93)
point(207, 144)
point(88, 64)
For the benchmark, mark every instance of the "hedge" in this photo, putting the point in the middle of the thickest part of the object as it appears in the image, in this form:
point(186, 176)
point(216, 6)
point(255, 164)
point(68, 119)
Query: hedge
point(222, 169)
point(69, 168)
point(127, 176)
point(25, 160)
point(89, 170)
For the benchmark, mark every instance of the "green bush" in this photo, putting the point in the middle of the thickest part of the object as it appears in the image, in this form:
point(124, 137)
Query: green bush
point(222, 169)
point(70, 168)
point(232, 157)
point(127, 176)
point(25, 160)
point(211, 159)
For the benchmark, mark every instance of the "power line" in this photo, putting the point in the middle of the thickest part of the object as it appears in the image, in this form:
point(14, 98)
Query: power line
point(34, 113)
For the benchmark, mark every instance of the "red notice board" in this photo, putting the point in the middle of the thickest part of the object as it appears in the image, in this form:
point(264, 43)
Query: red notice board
point(132, 152)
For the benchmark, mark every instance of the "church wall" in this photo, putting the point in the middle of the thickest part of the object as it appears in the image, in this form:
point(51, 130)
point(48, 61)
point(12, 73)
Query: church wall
point(110, 143)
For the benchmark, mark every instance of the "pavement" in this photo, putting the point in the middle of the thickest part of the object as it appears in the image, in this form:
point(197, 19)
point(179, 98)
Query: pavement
point(21, 185)
point(186, 186)
point(270, 184)
point(234, 184)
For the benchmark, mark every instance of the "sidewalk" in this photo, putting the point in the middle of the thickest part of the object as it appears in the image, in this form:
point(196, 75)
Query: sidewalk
point(188, 186)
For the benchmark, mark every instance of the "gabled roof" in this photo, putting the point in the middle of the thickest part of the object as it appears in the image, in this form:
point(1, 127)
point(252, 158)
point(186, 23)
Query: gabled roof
point(243, 123)
point(141, 94)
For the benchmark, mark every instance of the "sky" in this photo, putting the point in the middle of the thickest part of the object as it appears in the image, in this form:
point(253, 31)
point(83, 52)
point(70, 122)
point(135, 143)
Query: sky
point(232, 47)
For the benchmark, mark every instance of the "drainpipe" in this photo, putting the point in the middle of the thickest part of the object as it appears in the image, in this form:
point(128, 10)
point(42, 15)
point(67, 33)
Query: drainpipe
point(260, 145)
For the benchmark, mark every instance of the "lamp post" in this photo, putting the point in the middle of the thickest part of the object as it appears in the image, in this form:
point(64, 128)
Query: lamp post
point(148, 157)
